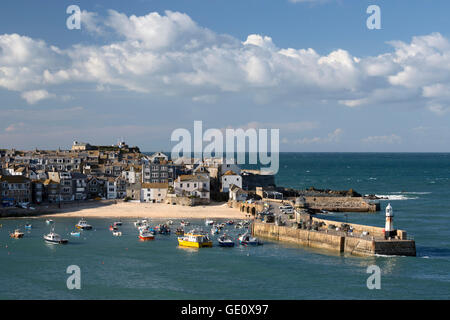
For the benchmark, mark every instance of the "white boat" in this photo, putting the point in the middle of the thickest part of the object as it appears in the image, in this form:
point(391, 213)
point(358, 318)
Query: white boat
point(117, 233)
point(83, 225)
point(49, 221)
point(169, 223)
point(209, 222)
point(184, 223)
point(55, 238)
point(247, 239)
point(117, 223)
point(75, 233)
point(225, 241)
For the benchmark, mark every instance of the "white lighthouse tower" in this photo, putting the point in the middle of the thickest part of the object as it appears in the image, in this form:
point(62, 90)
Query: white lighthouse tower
point(389, 220)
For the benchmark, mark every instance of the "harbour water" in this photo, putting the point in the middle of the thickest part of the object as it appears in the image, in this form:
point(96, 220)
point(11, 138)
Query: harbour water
point(124, 268)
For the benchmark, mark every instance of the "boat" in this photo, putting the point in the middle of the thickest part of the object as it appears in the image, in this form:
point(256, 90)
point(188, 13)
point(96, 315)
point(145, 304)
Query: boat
point(117, 233)
point(209, 222)
point(117, 223)
point(16, 234)
point(49, 221)
point(163, 229)
point(75, 233)
point(145, 235)
point(55, 238)
point(28, 226)
point(138, 223)
point(179, 232)
point(194, 239)
point(239, 225)
point(170, 222)
point(225, 241)
point(247, 239)
point(215, 230)
point(83, 225)
point(230, 222)
point(184, 223)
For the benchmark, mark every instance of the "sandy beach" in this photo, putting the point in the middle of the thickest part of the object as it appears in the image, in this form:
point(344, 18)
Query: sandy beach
point(152, 210)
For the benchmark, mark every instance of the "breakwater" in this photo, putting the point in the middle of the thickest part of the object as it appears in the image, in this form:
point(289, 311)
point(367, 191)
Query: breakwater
point(369, 244)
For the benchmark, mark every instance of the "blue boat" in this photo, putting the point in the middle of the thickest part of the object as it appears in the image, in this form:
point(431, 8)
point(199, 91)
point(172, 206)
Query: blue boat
point(28, 226)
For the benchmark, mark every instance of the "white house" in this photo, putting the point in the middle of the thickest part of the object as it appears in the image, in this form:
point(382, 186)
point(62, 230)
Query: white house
point(237, 194)
point(229, 178)
point(192, 185)
point(154, 192)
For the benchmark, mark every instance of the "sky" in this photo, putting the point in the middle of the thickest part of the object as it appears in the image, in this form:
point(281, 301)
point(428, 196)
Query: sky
point(139, 69)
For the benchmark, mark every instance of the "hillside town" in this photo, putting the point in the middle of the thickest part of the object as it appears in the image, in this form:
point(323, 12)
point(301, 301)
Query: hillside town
point(86, 172)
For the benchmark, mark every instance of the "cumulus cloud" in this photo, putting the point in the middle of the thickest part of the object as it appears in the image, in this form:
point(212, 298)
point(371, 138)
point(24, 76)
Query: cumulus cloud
point(36, 95)
point(170, 54)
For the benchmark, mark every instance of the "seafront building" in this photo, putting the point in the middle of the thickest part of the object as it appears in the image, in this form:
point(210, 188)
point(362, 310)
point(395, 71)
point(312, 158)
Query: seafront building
point(87, 171)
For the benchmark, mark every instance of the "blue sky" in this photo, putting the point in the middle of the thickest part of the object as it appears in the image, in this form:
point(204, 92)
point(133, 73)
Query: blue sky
point(140, 69)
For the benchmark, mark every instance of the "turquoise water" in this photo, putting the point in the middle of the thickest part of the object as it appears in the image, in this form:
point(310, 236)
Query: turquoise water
point(125, 268)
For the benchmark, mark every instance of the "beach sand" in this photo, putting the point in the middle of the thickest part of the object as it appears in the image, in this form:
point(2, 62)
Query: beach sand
point(153, 210)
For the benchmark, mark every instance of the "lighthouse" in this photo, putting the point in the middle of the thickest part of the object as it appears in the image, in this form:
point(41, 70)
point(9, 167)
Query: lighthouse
point(389, 227)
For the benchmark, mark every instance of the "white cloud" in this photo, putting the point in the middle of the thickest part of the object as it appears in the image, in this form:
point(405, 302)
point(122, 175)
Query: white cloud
point(36, 95)
point(388, 139)
point(170, 54)
point(332, 137)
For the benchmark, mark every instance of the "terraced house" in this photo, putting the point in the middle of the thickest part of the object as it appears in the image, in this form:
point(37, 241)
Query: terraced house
point(15, 190)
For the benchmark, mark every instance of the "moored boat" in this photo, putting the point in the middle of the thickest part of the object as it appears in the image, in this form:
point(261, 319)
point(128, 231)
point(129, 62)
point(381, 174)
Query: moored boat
point(179, 231)
point(225, 241)
point(184, 223)
point(194, 239)
point(247, 239)
point(16, 234)
point(83, 225)
point(54, 238)
point(117, 233)
point(209, 222)
point(27, 226)
point(117, 223)
point(49, 221)
point(146, 235)
point(75, 233)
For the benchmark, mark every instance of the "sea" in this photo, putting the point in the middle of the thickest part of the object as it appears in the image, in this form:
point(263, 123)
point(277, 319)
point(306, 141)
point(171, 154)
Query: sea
point(416, 185)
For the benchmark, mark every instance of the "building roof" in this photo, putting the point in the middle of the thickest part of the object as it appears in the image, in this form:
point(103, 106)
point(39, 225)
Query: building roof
point(186, 177)
point(14, 179)
point(155, 185)
point(230, 173)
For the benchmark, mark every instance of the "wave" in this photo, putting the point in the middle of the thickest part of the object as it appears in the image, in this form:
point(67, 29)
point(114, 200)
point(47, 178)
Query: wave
point(394, 197)
point(406, 192)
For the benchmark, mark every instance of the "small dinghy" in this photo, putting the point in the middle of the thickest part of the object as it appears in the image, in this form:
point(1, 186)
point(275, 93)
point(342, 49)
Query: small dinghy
point(117, 233)
point(179, 232)
point(75, 233)
point(209, 222)
point(16, 234)
point(225, 241)
point(247, 239)
point(49, 221)
point(146, 235)
point(28, 226)
point(184, 223)
point(117, 223)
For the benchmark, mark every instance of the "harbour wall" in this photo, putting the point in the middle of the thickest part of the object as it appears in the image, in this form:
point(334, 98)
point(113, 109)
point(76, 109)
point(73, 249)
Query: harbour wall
point(339, 243)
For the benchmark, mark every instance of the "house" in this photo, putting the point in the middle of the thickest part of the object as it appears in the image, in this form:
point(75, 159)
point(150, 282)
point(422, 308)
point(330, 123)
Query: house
point(158, 157)
point(192, 185)
point(237, 193)
point(134, 190)
point(111, 190)
point(230, 166)
point(79, 185)
point(51, 191)
point(64, 179)
point(15, 189)
point(230, 178)
point(37, 191)
point(95, 187)
point(154, 192)
point(121, 187)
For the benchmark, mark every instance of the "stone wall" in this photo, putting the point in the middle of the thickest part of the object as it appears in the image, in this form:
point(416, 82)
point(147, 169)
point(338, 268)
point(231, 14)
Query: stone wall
point(341, 204)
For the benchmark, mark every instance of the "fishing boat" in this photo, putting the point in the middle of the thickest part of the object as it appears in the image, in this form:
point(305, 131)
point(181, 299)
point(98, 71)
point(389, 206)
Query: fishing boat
point(117, 233)
point(163, 229)
point(83, 225)
point(247, 239)
point(146, 235)
point(209, 222)
point(225, 241)
point(16, 234)
point(194, 239)
point(75, 233)
point(54, 238)
point(179, 232)
point(49, 221)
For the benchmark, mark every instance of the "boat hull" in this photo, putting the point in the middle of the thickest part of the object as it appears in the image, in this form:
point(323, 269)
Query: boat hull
point(83, 227)
point(146, 238)
point(226, 244)
point(16, 236)
point(63, 241)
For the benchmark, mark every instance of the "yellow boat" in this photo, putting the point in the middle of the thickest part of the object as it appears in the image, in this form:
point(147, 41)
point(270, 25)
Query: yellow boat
point(194, 240)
